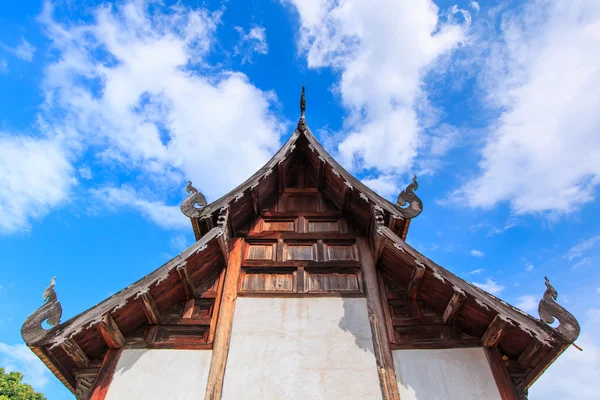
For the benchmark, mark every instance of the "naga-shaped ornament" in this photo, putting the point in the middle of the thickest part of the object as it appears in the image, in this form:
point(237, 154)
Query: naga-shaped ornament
point(302, 121)
point(550, 309)
point(408, 196)
point(188, 207)
point(32, 330)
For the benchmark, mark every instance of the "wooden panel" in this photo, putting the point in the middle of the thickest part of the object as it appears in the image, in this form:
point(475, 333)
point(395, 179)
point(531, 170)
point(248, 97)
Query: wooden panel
point(322, 225)
point(261, 251)
point(332, 282)
point(280, 225)
point(267, 281)
point(340, 252)
point(300, 251)
point(299, 202)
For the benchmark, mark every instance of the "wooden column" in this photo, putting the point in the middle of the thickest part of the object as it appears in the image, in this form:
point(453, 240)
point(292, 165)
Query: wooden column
point(381, 342)
point(505, 385)
point(109, 364)
point(216, 374)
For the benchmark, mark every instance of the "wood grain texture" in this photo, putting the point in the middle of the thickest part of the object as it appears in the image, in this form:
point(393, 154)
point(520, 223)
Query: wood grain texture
point(453, 306)
point(214, 386)
point(149, 306)
point(494, 332)
point(415, 282)
point(505, 386)
point(381, 343)
point(105, 374)
point(73, 350)
point(110, 332)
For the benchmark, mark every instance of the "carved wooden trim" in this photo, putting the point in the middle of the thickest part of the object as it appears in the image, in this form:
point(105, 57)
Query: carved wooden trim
point(415, 282)
point(494, 332)
point(453, 306)
point(255, 201)
point(149, 307)
point(105, 375)
point(110, 333)
point(186, 281)
point(503, 382)
point(216, 374)
point(381, 343)
point(549, 309)
point(75, 352)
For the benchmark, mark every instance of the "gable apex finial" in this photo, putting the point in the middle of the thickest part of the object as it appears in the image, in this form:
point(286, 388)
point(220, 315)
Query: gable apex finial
point(302, 121)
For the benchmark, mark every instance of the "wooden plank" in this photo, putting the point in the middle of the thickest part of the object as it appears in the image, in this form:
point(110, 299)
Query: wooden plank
point(75, 352)
point(386, 309)
point(414, 308)
point(505, 385)
point(529, 353)
point(288, 235)
point(188, 311)
point(280, 176)
point(415, 282)
point(381, 343)
point(216, 306)
point(149, 308)
point(216, 374)
point(453, 306)
point(107, 369)
point(255, 201)
point(186, 281)
point(110, 333)
point(321, 175)
point(494, 332)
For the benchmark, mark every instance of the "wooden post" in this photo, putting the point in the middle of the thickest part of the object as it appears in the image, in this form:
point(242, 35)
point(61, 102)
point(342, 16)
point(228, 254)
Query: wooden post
point(109, 364)
point(505, 386)
point(216, 374)
point(381, 342)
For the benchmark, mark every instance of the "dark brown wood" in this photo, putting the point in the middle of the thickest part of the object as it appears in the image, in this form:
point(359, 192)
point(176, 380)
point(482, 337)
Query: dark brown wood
point(415, 282)
point(218, 362)
point(110, 333)
point(105, 375)
point(347, 197)
point(73, 350)
point(439, 344)
point(505, 385)
point(186, 281)
point(386, 309)
point(415, 310)
point(381, 343)
point(494, 332)
point(321, 175)
point(188, 311)
point(149, 307)
point(535, 373)
point(255, 201)
point(453, 306)
point(274, 235)
point(529, 353)
point(280, 176)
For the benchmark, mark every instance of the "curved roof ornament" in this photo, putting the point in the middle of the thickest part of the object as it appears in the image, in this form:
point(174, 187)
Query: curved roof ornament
point(408, 196)
point(549, 309)
point(32, 330)
point(302, 121)
point(188, 206)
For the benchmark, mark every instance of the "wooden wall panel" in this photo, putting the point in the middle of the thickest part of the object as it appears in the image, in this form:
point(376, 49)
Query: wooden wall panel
point(268, 281)
point(261, 251)
point(300, 251)
point(340, 252)
point(332, 282)
point(280, 225)
point(316, 225)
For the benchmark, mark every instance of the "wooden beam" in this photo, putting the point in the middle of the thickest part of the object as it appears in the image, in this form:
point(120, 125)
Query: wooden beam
point(453, 306)
point(75, 352)
point(415, 282)
point(224, 238)
point(386, 309)
point(105, 375)
point(216, 374)
point(505, 385)
point(189, 308)
point(280, 176)
point(110, 333)
point(347, 197)
point(539, 369)
point(186, 281)
point(216, 306)
point(494, 332)
point(321, 175)
point(381, 342)
point(255, 201)
point(149, 308)
point(529, 353)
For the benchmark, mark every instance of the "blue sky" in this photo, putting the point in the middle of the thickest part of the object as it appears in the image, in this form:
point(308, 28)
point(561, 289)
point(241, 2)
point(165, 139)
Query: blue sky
point(106, 109)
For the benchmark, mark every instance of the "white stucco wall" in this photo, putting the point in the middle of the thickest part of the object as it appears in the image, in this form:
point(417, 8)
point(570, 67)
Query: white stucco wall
point(160, 374)
point(301, 348)
point(452, 374)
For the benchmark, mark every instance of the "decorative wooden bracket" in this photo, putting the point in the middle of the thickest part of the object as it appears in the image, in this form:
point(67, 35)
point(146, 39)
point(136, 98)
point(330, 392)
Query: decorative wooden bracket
point(149, 307)
point(550, 309)
point(224, 237)
point(415, 282)
point(377, 240)
point(186, 281)
point(453, 306)
point(494, 332)
point(188, 207)
point(110, 332)
point(32, 330)
point(408, 202)
point(73, 350)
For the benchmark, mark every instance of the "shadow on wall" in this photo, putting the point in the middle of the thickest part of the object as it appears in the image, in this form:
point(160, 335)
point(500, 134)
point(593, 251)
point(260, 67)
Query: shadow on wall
point(356, 321)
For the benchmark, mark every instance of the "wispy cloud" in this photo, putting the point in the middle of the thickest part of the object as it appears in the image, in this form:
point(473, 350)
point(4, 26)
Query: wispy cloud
point(476, 253)
point(490, 286)
point(583, 261)
point(527, 303)
point(581, 248)
point(24, 50)
point(254, 41)
point(19, 358)
point(475, 271)
point(529, 267)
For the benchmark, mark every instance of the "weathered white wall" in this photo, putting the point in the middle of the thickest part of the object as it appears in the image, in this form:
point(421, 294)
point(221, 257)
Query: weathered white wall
point(160, 374)
point(301, 348)
point(452, 374)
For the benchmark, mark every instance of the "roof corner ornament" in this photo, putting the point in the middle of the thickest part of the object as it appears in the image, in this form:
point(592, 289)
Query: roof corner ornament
point(549, 309)
point(302, 121)
point(188, 206)
point(33, 331)
point(408, 196)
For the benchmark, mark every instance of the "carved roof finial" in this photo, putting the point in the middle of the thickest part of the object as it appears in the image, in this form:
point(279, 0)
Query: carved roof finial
point(550, 309)
point(188, 206)
point(302, 121)
point(408, 196)
point(32, 330)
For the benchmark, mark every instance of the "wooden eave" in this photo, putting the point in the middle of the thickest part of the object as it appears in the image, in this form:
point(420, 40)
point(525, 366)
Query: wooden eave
point(204, 259)
point(302, 148)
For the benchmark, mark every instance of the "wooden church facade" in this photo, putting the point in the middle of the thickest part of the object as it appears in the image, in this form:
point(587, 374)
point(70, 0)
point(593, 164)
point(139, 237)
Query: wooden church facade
point(300, 285)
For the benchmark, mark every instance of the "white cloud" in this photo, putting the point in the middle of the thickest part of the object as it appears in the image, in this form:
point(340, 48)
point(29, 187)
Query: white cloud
point(582, 248)
point(575, 374)
point(384, 185)
point(490, 286)
point(476, 271)
point(4, 67)
point(543, 154)
point(24, 50)
point(85, 172)
point(133, 89)
point(476, 253)
point(19, 358)
point(529, 267)
point(178, 242)
point(527, 303)
point(598, 290)
point(381, 81)
point(255, 41)
point(583, 261)
point(475, 6)
point(168, 217)
point(35, 176)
